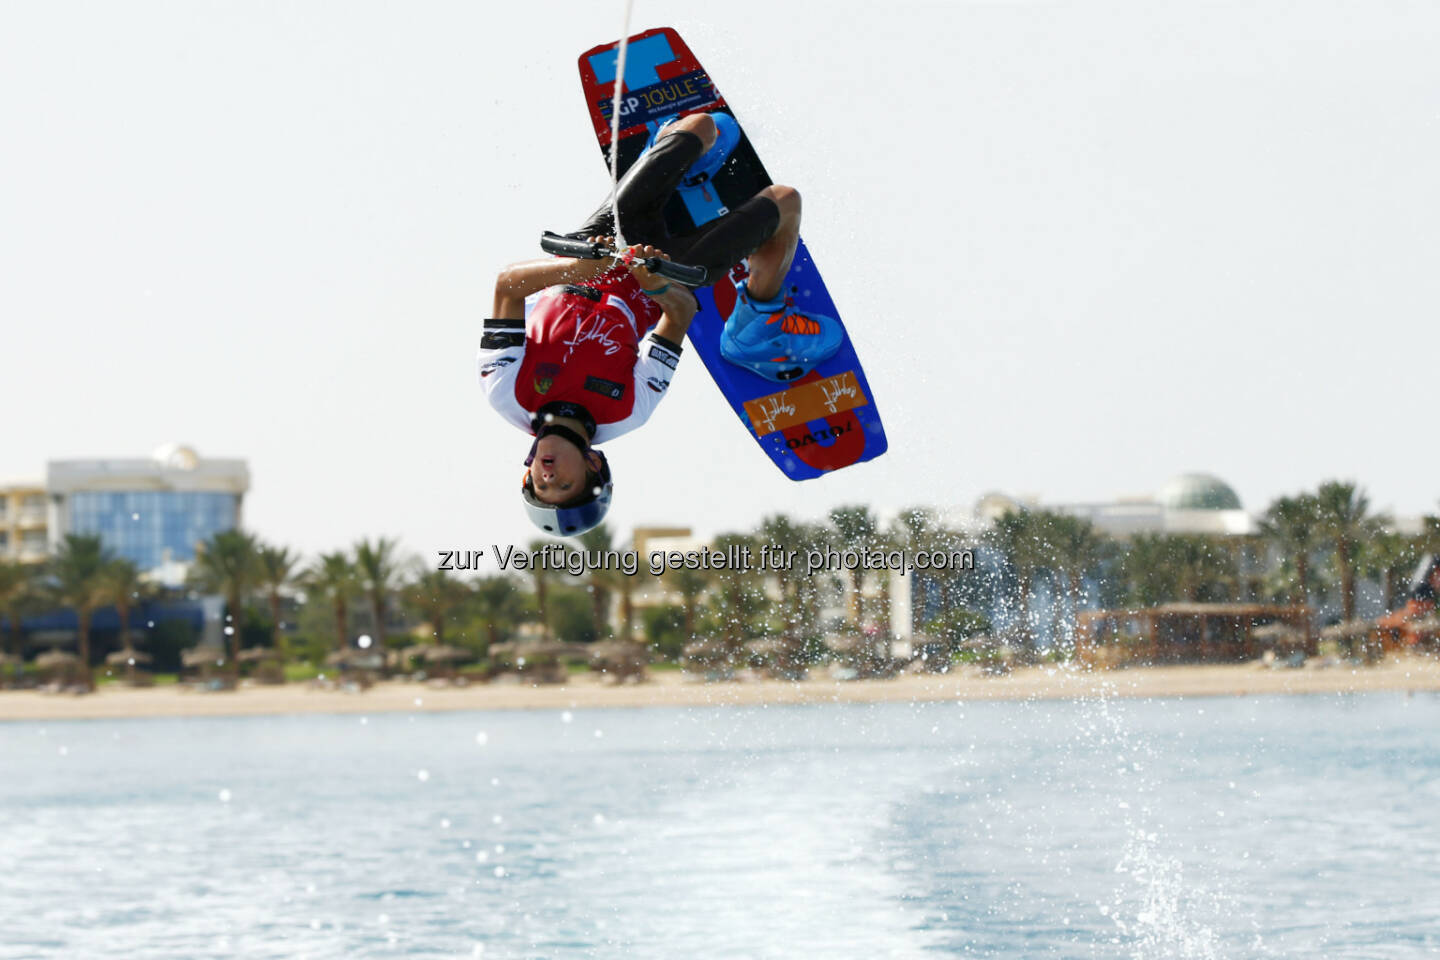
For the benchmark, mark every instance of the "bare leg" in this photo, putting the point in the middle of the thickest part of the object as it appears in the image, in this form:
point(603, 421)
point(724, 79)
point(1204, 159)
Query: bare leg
point(771, 262)
point(699, 124)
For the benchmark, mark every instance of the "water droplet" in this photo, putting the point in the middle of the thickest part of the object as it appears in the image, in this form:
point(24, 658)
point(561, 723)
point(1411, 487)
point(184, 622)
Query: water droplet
point(383, 918)
point(444, 824)
point(225, 796)
point(481, 856)
point(599, 818)
point(496, 819)
point(229, 631)
point(134, 516)
point(422, 775)
point(364, 641)
point(566, 717)
point(599, 734)
point(482, 738)
point(419, 701)
point(499, 871)
point(64, 751)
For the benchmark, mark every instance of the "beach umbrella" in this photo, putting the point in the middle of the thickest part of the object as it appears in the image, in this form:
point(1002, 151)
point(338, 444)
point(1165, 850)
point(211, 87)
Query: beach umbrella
point(201, 656)
point(360, 659)
point(1430, 624)
point(766, 647)
point(621, 658)
point(618, 652)
point(1347, 630)
point(535, 649)
point(51, 659)
point(706, 651)
point(121, 658)
point(254, 654)
point(1276, 633)
point(447, 654)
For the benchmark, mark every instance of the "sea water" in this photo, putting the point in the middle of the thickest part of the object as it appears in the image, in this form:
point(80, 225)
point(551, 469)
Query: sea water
point(1209, 827)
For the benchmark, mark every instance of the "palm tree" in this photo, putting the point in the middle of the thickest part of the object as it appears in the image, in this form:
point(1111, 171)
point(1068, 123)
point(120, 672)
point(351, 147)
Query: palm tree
point(780, 531)
point(334, 577)
point(1075, 547)
point(855, 527)
point(1203, 563)
point(226, 564)
point(1149, 570)
point(379, 570)
point(1019, 536)
point(79, 573)
point(1164, 567)
point(814, 537)
point(16, 585)
point(277, 569)
point(500, 606)
point(1390, 557)
point(540, 575)
point(122, 588)
point(602, 579)
point(627, 603)
point(435, 596)
point(690, 584)
point(1293, 526)
point(736, 599)
point(1344, 511)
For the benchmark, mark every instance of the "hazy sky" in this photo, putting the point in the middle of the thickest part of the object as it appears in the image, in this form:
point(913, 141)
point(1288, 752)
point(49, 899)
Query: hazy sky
point(1079, 247)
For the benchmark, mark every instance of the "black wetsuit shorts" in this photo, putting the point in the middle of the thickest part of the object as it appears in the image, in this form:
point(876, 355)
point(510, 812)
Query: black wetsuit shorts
point(647, 187)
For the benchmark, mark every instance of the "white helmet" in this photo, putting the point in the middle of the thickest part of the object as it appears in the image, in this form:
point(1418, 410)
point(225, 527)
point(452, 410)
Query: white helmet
point(574, 517)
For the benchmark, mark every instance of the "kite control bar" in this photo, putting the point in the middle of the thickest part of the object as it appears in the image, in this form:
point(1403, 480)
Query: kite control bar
point(585, 250)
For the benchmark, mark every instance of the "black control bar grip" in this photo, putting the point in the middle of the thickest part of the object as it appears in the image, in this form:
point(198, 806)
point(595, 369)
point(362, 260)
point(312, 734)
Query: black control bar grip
point(554, 243)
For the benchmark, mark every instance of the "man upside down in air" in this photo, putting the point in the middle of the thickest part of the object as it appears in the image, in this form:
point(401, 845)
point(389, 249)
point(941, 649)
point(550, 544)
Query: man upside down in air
point(596, 352)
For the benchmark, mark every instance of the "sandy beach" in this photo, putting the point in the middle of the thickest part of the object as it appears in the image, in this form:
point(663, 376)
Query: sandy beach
point(670, 688)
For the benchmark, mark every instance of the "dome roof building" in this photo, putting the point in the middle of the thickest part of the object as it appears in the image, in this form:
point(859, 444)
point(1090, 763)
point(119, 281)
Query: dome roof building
point(1198, 491)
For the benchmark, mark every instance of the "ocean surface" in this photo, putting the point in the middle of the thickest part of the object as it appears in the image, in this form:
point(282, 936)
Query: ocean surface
point(1226, 827)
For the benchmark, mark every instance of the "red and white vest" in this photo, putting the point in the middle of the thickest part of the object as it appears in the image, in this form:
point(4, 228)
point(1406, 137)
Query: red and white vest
point(584, 345)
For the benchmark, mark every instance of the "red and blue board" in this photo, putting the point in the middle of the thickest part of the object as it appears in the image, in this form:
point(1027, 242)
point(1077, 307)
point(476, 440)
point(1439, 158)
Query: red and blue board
point(827, 419)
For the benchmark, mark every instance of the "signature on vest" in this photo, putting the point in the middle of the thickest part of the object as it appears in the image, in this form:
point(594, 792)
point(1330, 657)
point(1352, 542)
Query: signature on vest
point(597, 331)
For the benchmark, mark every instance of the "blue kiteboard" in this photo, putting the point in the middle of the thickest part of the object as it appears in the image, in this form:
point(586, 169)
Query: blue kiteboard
point(817, 423)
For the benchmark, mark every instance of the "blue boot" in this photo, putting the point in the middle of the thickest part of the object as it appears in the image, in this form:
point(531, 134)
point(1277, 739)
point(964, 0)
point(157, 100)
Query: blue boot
point(772, 339)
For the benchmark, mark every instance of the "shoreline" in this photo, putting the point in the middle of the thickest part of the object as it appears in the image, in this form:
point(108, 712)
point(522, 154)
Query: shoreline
point(674, 689)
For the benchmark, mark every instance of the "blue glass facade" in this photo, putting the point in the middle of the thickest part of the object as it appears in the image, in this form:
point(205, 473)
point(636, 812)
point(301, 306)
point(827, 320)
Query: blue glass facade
point(144, 525)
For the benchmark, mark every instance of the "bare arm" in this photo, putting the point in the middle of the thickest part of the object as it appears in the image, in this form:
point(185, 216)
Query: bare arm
point(675, 299)
point(519, 280)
